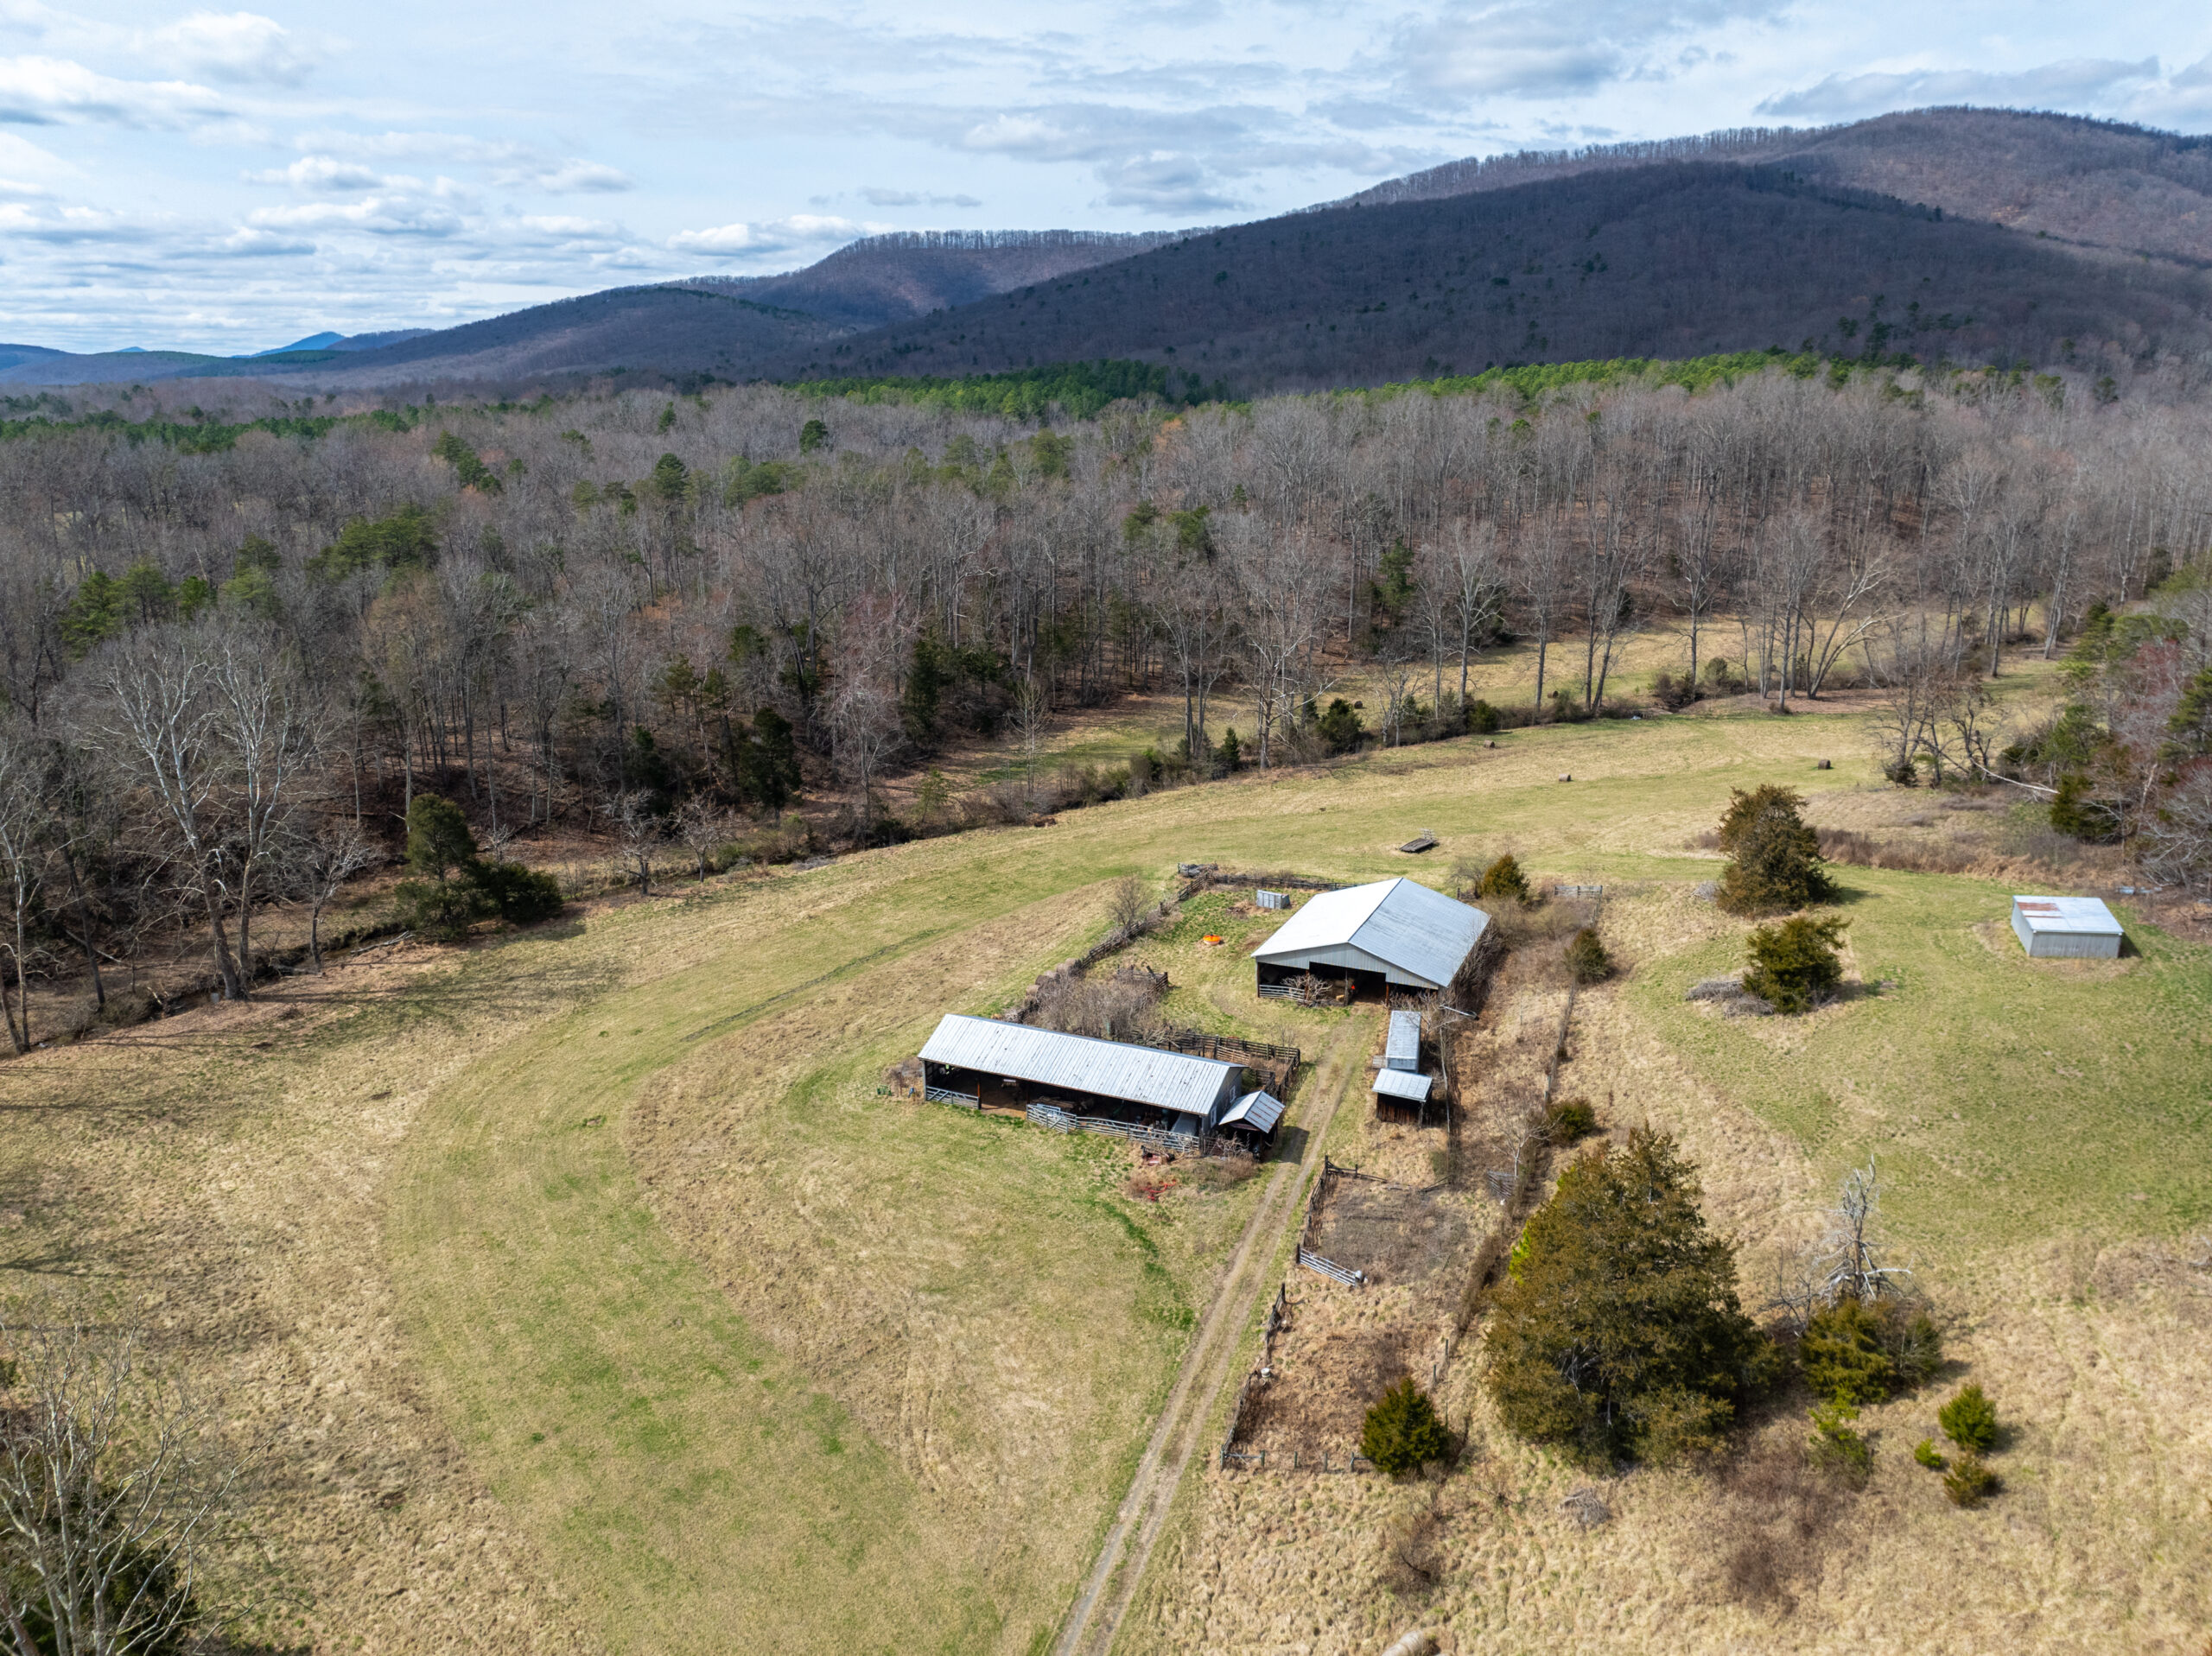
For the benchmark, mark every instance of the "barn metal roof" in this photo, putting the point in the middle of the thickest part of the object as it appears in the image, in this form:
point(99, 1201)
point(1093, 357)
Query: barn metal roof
point(1403, 1083)
point(1402, 1050)
point(1259, 1111)
point(2067, 914)
point(1424, 934)
point(1141, 1075)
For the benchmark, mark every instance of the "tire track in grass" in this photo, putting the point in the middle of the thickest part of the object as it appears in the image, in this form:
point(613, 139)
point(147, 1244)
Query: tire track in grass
point(1096, 1617)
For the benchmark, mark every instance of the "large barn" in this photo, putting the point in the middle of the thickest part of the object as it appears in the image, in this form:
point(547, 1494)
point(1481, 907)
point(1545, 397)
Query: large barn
point(983, 1061)
point(1395, 934)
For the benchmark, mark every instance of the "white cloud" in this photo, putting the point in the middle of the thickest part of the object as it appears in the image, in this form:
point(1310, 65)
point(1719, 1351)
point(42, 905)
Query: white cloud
point(323, 173)
point(378, 215)
point(565, 177)
point(72, 225)
point(2073, 83)
point(882, 198)
point(1530, 52)
point(47, 91)
point(251, 243)
point(237, 46)
point(775, 235)
point(571, 229)
point(512, 165)
point(26, 169)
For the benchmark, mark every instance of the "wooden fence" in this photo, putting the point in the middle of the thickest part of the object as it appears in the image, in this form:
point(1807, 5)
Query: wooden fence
point(1060, 1120)
point(1231, 1048)
point(1277, 1318)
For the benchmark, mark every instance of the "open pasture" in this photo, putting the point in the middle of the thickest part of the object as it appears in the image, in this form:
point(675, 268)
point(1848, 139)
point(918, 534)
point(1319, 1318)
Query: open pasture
point(593, 1296)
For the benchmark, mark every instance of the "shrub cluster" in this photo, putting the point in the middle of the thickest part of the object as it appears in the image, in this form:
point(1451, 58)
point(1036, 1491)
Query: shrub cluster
point(457, 886)
point(1837, 1447)
point(1618, 1332)
point(1969, 1420)
point(1855, 1354)
point(1776, 861)
point(1402, 1433)
point(1569, 1120)
point(1586, 959)
point(1794, 966)
point(1504, 879)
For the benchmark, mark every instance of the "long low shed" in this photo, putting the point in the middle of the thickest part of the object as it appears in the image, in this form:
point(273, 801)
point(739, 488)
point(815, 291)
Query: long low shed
point(2066, 928)
point(1014, 1064)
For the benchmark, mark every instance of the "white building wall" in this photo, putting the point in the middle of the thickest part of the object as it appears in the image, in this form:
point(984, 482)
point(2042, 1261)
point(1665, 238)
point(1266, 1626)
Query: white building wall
point(2073, 945)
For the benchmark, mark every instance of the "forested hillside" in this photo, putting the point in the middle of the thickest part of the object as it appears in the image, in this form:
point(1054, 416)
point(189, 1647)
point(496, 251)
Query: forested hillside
point(2099, 183)
point(1672, 259)
point(227, 648)
point(885, 279)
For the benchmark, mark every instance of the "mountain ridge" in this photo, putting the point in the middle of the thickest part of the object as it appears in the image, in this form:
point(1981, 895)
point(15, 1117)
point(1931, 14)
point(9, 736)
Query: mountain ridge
point(2023, 233)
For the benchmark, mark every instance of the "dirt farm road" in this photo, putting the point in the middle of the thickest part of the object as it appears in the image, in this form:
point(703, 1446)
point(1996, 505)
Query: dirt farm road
point(1096, 1616)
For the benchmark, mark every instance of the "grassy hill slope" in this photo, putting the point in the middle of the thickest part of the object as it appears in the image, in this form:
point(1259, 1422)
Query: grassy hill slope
point(593, 1297)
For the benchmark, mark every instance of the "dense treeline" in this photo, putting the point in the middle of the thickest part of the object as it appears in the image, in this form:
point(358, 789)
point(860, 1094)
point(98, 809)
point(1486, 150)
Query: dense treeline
point(626, 613)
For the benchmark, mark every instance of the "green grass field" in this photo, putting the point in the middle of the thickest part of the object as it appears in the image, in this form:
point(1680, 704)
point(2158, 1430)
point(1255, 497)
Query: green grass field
point(2006, 1098)
point(751, 1355)
point(545, 1289)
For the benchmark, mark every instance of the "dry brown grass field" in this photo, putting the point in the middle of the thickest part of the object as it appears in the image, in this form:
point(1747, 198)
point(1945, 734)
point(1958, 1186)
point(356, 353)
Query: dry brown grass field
point(591, 1295)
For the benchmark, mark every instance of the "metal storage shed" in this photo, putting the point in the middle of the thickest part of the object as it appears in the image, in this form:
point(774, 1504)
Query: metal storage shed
point(2066, 928)
point(1402, 1050)
point(1394, 933)
point(986, 1061)
point(1257, 1112)
point(1403, 1083)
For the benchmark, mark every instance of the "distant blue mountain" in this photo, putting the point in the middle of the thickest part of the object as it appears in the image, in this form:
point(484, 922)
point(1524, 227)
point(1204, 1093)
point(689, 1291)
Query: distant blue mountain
point(313, 342)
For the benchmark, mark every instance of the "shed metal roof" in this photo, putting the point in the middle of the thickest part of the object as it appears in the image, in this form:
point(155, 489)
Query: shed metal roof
point(1046, 1057)
point(1422, 934)
point(1403, 1083)
point(1402, 1050)
point(1259, 1111)
point(2067, 914)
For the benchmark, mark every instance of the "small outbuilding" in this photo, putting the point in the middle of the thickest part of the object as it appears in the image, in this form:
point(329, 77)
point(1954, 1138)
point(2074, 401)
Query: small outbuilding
point(1401, 1050)
point(983, 1061)
point(1251, 1120)
point(2066, 928)
point(1394, 933)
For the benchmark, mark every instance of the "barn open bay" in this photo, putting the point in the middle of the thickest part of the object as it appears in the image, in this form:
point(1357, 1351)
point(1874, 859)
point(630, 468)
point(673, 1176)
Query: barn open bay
point(658, 1319)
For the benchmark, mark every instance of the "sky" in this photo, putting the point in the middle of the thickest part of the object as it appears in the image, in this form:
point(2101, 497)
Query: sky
point(229, 181)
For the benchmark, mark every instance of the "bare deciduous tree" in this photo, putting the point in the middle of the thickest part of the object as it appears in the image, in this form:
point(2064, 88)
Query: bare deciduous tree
point(269, 733)
point(157, 722)
point(705, 827)
point(638, 835)
point(338, 851)
point(1129, 905)
point(115, 1491)
point(21, 815)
